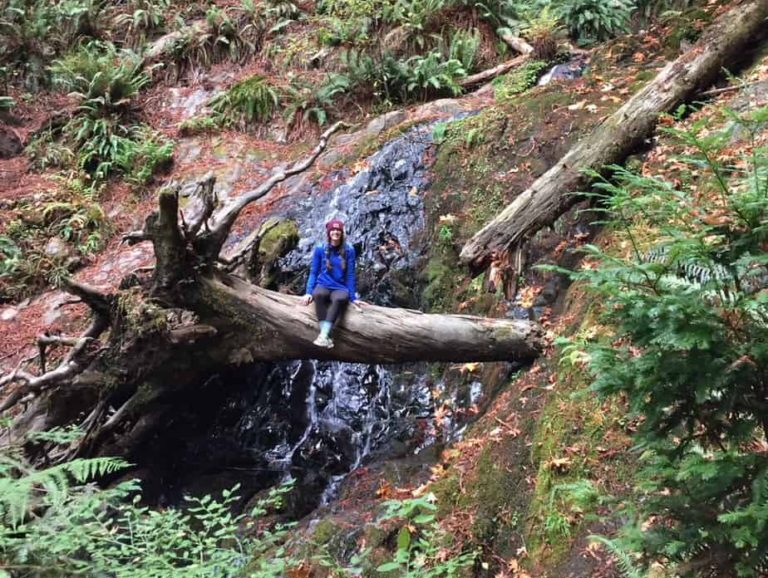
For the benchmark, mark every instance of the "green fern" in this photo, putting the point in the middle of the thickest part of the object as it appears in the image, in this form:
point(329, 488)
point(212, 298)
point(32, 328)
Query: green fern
point(250, 101)
point(626, 562)
point(48, 487)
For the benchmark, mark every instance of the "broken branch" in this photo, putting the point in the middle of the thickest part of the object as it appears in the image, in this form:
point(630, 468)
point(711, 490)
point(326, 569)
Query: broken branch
point(212, 242)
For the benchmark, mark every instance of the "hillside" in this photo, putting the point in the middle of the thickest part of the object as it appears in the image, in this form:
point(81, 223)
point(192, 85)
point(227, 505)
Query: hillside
point(167, 169)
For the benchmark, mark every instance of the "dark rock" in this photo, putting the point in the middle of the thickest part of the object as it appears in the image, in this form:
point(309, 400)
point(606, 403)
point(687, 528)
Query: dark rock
point(10, 143)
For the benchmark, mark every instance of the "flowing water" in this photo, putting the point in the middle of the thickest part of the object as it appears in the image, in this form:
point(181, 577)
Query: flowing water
point(316, 421)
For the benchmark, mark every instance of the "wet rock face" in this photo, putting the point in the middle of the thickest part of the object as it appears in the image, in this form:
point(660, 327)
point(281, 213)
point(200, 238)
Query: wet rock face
point(567, 71)
point(382, 208)
point(317, 421)
point(308, 420)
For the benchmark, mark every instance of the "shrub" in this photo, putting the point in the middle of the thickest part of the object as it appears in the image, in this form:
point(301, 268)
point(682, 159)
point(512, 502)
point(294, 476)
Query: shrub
point(149, 153)
point(253, 100)
point(56, 521)
point(231, 33)
point(689, 314)
point(418, 552)
point(350, 21)
point(6, 103)
point(594, 20)
point(504, 13)
point(308, 104)
point(391, 80)
point(463, 47)
point(103, 132)
point(433, 75)
point(34, 31)
point(70, 212)
point(650, 8)
point(544, 32)
point(11, 256)
point(140, 19)
point(102, 77)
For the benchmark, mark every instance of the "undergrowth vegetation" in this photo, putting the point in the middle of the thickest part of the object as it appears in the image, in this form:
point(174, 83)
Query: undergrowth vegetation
point(56, 520)
point(50, 236)
point(104, 130)
point(686, 318)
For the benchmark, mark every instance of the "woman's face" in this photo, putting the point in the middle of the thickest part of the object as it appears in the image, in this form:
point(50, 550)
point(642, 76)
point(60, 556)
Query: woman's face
point(335, 236)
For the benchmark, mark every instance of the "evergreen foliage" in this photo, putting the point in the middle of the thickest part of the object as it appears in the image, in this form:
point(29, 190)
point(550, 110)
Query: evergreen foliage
point(689, 348)
point(106, 82)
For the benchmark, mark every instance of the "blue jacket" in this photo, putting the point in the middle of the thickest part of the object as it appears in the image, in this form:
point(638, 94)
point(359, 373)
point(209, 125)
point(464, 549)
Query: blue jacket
point(336, 278)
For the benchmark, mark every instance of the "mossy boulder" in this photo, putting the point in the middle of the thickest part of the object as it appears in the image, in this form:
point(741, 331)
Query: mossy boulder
point(279, 239)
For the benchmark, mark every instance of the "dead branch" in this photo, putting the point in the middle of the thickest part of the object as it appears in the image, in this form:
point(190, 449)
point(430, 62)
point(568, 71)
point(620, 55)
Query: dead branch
point(191, 333)
point(516, 43)
point(204, 190)
point(492, 73)
point(116, 417)
point(210, 243)
point(73, 364)
point(43, 341)
point(135, 237)
point(98, 301)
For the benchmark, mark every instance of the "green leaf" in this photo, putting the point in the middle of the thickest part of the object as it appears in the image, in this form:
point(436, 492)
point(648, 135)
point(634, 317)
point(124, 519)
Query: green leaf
point(388, 567)
point(403, 539)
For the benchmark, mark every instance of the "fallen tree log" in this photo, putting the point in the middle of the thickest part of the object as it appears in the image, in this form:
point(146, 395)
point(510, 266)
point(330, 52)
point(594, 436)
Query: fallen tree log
point(620, 134)
point(492, 73)
point(516, 43)
point(282, 328)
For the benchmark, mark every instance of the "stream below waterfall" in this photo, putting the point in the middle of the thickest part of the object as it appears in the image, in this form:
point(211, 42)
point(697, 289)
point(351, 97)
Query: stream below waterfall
point(313, 421)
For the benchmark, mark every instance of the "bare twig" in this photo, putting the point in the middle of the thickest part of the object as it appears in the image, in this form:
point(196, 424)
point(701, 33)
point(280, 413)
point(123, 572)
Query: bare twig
point(716, 91)
point(223, 222)
point(135, 237)
point(99, 302)
point(71, 366)
point(144, 234)
point(43, 341)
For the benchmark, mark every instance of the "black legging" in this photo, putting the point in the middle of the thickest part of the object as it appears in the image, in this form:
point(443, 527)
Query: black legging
point(329, 305)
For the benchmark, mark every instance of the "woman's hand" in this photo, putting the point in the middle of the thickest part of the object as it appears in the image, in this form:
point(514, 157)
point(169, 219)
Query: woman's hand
point(359, 305)
point(307, 299)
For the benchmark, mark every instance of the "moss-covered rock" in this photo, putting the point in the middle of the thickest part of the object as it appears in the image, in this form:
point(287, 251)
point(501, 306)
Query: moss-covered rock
point(280, 238)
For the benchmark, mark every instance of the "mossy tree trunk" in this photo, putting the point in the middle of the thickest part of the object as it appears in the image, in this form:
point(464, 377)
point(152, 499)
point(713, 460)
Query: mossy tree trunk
point(620, 134)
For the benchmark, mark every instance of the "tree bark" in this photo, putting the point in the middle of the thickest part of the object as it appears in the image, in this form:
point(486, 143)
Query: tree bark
point(282, 327)
point(516, 43)
point(620, 134)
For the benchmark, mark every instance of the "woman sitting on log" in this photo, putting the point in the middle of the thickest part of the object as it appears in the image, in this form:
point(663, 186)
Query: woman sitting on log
point(332, 280)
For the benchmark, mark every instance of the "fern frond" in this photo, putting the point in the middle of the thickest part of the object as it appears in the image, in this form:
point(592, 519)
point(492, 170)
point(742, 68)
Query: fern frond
point(626, 562)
